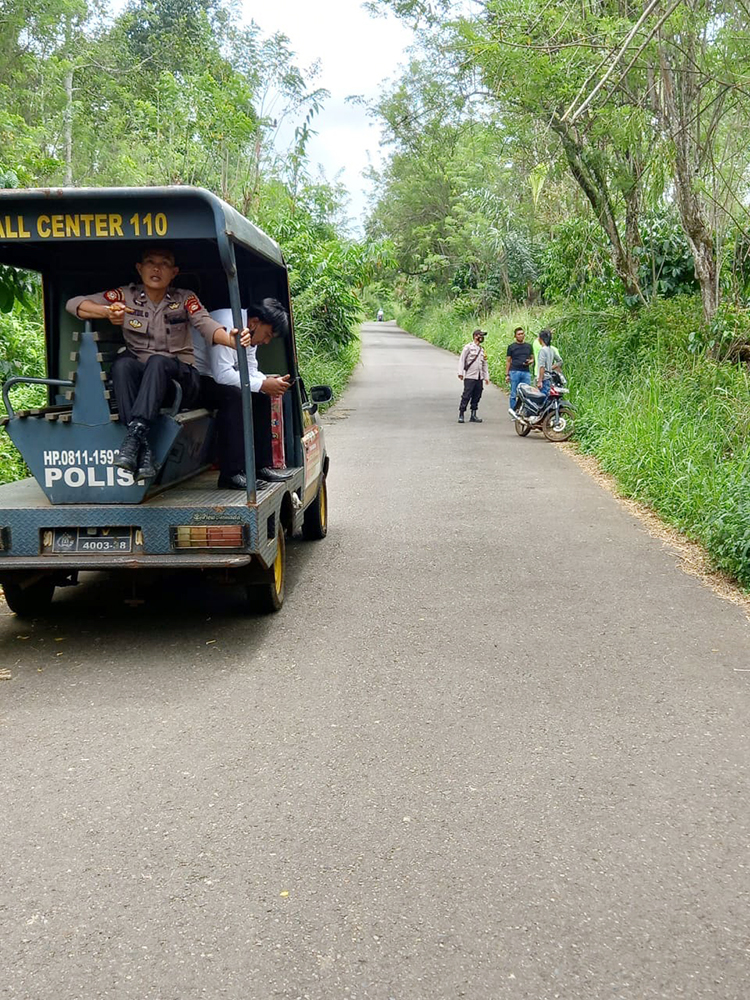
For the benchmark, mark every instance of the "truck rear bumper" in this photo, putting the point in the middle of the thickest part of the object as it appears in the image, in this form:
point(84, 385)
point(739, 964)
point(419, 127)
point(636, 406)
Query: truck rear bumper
point(189, 560)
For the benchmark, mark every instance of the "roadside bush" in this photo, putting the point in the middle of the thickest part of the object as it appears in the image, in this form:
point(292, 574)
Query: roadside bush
point(727, 338)
point(576, 265)
point(666, 261)
point(327, 366)
point(21, 353)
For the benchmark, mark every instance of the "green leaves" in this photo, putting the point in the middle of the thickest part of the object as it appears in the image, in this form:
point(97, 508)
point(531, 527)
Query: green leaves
point(326, 275)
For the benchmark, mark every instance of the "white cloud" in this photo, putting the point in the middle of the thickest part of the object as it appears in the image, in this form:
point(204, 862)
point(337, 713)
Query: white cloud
point(356, 53)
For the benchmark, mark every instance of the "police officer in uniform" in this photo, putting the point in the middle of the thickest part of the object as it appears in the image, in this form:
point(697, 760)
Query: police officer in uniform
point(473, 371)
point(156, 319)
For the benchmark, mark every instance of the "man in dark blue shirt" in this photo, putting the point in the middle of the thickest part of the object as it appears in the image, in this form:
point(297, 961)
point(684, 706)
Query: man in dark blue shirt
point(519, 359)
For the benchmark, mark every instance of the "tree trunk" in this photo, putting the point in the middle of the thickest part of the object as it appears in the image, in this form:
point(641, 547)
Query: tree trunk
point(593, 184)
point(695, 226)
point(68, 126)
point(678, 102)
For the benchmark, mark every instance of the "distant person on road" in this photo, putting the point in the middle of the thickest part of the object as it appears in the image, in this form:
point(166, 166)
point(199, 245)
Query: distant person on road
point(548, 360)
point(519, 360)
point(475, 374)
point(380, 315)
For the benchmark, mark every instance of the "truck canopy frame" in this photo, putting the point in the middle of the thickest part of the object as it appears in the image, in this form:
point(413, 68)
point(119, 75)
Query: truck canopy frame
point(224, 258)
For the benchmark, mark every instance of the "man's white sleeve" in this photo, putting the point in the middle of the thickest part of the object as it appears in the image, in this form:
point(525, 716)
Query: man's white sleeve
point(462, 359)
point(256, 376)
point(224, 360)
point(225, 370)
point(224, 365)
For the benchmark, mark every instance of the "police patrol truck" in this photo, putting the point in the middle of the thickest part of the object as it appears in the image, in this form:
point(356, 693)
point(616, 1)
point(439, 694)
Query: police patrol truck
point(79, 511)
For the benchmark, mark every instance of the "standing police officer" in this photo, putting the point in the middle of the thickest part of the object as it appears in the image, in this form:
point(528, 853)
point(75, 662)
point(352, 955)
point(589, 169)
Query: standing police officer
point(473, 370)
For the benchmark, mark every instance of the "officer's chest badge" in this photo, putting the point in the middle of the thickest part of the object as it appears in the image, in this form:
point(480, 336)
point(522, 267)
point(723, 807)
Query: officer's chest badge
point(136, 324)
point(174, 305)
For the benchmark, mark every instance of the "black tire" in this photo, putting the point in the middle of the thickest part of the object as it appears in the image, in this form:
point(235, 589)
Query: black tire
point(32, 601)
point(315, 523)
point(522, 429)
point(267, 596)
point(561, 430)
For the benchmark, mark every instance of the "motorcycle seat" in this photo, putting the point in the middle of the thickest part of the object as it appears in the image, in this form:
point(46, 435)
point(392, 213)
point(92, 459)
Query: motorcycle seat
point(532, 394)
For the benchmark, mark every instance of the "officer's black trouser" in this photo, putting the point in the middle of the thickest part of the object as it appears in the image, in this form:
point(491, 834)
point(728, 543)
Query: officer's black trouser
point(227, 401)
point(472, 394)
point(142, 388)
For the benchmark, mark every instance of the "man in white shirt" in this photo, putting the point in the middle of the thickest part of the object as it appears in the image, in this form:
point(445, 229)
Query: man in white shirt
point(220, 381)
point(225, 361)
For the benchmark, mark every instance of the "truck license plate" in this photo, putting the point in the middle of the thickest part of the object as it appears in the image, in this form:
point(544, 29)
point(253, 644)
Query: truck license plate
point(92, 540)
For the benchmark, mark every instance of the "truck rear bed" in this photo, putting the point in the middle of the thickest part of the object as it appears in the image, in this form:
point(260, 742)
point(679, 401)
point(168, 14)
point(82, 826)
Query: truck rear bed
point(34, 533)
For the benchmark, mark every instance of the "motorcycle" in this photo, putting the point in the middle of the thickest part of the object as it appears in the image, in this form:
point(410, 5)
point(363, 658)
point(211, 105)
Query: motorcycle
point(552, 414)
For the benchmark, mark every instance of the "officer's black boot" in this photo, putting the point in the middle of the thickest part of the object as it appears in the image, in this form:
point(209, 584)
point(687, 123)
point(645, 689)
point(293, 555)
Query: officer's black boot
point(460, 416)
point(474, 419)
point(127, 457)
point(146, 467)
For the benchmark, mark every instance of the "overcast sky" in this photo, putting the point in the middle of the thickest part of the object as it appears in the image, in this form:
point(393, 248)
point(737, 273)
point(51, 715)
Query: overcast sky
point(356, 52)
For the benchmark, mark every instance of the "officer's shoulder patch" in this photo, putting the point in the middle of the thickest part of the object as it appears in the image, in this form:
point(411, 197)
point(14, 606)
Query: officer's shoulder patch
point(114, 295)
point(193, 305)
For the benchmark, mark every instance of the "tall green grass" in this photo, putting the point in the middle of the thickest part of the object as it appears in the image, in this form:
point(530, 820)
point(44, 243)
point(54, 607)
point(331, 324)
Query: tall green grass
point(331, 365)
point(672, 426)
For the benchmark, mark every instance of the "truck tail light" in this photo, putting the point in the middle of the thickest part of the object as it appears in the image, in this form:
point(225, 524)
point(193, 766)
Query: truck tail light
point(208, 536)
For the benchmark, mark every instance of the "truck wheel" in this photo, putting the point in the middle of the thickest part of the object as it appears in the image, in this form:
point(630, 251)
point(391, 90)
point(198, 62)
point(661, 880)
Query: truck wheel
point(268, 595)
point(315, 523)
point(28, 602)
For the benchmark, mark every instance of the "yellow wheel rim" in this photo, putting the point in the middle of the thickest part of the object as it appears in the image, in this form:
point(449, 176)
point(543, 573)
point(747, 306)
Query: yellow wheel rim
point(324, 506)
point(278, 566)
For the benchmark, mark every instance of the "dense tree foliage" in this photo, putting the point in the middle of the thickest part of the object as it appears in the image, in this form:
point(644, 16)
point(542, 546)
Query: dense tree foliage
point(632, 116)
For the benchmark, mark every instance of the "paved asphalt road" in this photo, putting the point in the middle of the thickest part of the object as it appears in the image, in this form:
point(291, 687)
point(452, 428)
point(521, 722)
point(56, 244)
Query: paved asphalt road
point(494, 746)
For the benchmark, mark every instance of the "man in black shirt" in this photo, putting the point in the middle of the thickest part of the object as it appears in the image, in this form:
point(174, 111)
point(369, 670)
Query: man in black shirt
point(519, 359)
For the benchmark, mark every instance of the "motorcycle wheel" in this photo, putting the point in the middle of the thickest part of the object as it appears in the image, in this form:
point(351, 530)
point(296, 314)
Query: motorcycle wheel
point(522, 429)
point(559, 428)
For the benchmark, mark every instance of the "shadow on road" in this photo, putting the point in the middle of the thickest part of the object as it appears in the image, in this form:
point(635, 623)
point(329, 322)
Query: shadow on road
point(141, 618)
